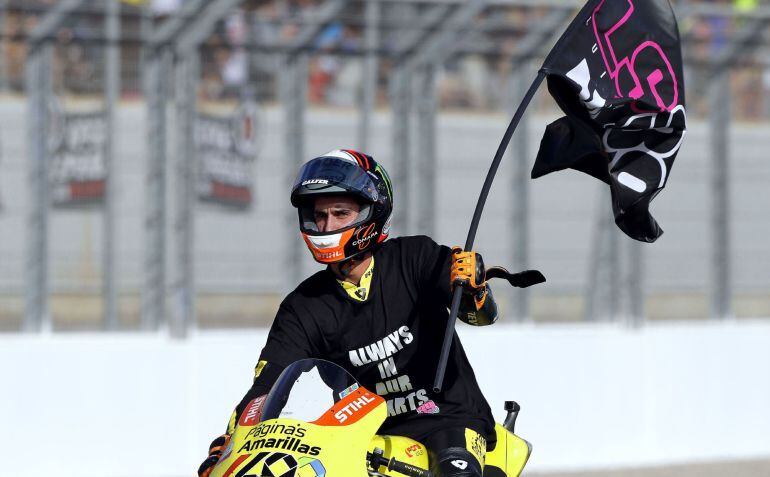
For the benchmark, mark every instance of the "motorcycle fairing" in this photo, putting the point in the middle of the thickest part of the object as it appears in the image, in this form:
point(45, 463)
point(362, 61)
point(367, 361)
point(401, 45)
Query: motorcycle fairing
point(284, 447)
point(334, 444)
point(507, 459)
point(509, 456)
point(331, 436)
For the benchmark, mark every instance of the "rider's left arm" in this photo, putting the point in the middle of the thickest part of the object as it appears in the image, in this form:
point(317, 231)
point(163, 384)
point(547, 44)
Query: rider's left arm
point(435, 269)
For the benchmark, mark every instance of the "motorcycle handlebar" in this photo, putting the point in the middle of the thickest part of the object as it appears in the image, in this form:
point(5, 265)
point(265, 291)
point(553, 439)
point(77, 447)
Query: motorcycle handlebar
point(377, 460)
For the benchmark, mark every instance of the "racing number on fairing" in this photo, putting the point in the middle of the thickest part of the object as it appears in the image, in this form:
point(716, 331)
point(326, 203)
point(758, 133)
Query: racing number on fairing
point(275, 464)
point(246, 468)
point(653, 69)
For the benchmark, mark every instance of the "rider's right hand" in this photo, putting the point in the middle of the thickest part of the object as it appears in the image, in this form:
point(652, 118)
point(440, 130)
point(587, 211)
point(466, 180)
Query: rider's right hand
point(216, 448)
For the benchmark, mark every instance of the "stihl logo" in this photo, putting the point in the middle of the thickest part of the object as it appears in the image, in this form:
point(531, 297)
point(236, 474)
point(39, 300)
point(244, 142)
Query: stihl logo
point(328, 255)
point(253, 412)
point(353, 407)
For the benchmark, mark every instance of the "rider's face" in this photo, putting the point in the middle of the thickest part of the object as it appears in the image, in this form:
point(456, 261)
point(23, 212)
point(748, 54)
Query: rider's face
point(335, 212)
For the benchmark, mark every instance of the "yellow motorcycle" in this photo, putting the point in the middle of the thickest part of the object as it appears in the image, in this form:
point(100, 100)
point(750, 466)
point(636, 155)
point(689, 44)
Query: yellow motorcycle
point(317, 421)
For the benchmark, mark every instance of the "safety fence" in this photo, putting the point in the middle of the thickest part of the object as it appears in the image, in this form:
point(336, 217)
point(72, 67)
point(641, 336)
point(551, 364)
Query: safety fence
point(146, 163)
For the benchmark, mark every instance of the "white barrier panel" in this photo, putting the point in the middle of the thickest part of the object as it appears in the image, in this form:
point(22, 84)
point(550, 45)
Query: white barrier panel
point(592, 395)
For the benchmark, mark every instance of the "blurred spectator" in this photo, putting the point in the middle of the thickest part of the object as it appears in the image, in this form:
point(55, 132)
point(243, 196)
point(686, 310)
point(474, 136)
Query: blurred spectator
point(718, 30)
point(766, 91)
point(748, 80)
point(321, 75)
point(453, 91)
point(324, 67)
point(235, 70)
point(745, 5)
point(246, 50)
point(16, 50)
point(164, 7)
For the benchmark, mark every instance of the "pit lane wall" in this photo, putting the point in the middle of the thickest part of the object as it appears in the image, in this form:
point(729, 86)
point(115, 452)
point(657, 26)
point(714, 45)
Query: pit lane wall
point(592, 395)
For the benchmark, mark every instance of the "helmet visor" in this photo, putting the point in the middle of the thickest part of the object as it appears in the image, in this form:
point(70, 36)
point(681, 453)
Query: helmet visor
point(308, 224)
point(330, 175)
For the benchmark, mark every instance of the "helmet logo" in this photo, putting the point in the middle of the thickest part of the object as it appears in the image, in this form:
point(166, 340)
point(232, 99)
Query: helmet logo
point(364, 235)
point(315, 181)
point(328, 255)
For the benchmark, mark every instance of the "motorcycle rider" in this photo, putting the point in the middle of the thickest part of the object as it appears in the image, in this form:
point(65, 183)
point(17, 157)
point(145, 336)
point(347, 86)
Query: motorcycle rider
point(379, 310)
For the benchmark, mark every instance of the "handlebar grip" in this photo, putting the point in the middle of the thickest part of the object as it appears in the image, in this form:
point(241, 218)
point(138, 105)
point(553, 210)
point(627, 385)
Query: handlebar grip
point(376, 459)
point(408, 469)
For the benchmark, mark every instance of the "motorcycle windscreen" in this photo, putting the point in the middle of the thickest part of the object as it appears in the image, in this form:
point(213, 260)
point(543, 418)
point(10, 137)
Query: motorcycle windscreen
point(307, 389)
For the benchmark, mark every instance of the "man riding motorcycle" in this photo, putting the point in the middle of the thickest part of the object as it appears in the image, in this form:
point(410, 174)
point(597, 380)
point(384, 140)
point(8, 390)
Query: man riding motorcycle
point(379, 310)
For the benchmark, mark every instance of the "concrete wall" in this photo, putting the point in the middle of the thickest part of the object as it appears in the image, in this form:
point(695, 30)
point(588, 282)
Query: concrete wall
point(592, 396)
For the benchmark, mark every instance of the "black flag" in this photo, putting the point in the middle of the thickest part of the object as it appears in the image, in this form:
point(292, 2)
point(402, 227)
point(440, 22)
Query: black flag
point(617, 74)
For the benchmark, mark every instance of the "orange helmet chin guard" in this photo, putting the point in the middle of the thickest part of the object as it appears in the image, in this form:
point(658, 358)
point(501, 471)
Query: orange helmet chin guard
point(346, 243)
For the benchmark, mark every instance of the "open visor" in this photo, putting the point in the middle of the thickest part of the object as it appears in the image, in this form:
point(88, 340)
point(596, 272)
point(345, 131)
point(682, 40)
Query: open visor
point(330, 175)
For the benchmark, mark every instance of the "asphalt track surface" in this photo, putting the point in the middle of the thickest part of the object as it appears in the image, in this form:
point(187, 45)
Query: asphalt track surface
point(752, 468)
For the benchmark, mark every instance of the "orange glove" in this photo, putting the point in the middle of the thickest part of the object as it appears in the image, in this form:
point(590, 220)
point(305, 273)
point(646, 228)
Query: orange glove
point(467, 270)
point(216, 448)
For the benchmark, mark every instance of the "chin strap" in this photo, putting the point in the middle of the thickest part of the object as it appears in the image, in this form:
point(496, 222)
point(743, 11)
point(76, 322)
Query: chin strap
point(348, 266)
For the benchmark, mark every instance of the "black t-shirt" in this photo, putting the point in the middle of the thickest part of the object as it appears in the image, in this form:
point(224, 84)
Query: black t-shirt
point(391, 342)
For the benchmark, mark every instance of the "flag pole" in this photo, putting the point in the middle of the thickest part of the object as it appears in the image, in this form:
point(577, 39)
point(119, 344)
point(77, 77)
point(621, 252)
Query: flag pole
point(450, 326)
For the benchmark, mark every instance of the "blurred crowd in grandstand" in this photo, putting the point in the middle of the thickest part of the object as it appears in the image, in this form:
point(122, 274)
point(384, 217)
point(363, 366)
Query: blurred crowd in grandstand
point(237, 60)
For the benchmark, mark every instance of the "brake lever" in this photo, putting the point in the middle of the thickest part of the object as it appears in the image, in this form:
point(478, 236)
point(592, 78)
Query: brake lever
point(524, 279)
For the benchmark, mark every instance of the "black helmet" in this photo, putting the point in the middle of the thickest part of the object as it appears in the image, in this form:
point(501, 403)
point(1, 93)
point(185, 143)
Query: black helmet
point(344, 172)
